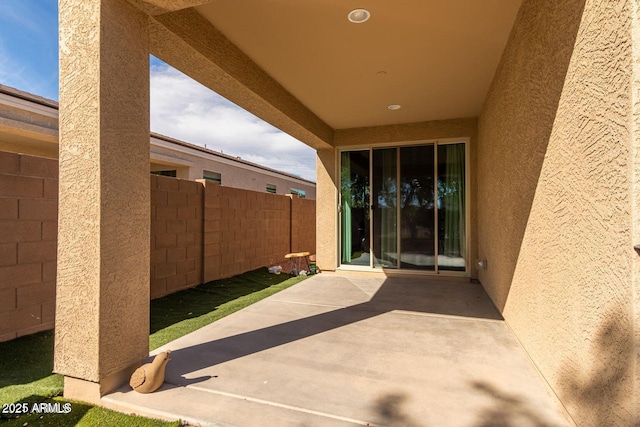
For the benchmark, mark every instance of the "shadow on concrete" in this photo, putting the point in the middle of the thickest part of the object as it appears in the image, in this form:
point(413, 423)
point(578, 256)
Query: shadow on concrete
point(390, 411)
point(601, 393)
point(506, 410)
point(443, 298)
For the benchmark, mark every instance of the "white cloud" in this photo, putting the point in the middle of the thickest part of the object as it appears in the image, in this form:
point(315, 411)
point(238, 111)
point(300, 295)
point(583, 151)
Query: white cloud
point(184, 109)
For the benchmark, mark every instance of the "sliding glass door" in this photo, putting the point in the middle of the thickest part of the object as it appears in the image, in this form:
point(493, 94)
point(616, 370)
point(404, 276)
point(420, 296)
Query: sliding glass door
point(385, 207)
point(417, 212)
point(404, 207)
point(355, 208)
point(452, 237)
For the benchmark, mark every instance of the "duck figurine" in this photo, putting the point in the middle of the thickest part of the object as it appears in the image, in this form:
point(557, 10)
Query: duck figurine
point(150, 376)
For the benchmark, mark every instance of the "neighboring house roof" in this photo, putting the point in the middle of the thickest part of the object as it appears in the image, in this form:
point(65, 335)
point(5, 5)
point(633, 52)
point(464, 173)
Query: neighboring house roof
point(227, 157)
point(26, 96)
point(8, 90)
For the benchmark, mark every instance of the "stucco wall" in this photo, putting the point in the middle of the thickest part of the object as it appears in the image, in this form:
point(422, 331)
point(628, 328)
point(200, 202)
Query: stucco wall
point(28, 236)
point(636, 202)
point(102, 284)
point(555, 197)
point(327, 213)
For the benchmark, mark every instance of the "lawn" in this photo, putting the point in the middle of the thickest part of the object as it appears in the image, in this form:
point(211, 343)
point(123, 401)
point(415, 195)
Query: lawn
point(178, 314)
point(26, 363)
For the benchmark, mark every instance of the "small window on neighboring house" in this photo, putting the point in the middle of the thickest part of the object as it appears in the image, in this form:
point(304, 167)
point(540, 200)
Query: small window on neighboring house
point(212, 176)
point(271, 188)
point(165, 173)
point(300, 193)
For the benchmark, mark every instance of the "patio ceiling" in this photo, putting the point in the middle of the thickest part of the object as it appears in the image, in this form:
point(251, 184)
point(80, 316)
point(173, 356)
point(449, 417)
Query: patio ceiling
point(434, 58)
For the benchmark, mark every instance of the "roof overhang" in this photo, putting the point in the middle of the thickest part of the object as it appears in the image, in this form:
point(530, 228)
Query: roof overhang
point(305, 68)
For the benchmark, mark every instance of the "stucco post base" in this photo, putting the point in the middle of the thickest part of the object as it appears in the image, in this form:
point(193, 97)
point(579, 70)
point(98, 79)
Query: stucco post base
point(91, 392)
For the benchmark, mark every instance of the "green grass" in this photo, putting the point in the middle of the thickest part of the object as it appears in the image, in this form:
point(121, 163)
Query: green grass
point(80, 414)
point(25, 377)
point(184, 312)
point(26, 363)
point(25, 368)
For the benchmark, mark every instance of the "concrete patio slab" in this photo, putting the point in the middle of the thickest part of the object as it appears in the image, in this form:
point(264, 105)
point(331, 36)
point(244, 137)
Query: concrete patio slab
point(340, 350)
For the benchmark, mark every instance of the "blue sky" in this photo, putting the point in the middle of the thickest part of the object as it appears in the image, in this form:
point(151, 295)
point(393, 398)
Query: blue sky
point(180, 107)
point(29, 46)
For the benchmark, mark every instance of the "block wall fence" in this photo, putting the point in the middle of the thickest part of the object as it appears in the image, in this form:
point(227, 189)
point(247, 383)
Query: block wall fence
point(176, 235)
point(28, 244)
point(200, 231)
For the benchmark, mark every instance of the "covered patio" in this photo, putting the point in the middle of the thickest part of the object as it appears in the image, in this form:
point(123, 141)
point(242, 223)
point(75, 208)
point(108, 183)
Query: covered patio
point(340, 350)
point(542, 95)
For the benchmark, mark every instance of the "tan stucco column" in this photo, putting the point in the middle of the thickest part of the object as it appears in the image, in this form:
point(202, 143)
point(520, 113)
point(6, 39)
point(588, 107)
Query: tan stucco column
point(326, 209)
point(102, 306)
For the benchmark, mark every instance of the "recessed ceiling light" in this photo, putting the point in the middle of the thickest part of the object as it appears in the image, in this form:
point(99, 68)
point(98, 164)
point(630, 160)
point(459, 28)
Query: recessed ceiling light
point(358, 16)
point(394, 107)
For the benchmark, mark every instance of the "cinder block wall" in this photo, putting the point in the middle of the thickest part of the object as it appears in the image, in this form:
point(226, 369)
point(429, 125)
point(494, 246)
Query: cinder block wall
point(243, 230)
point(176, 235)
point(303, 225)
point(200, 232)
point(28, 237)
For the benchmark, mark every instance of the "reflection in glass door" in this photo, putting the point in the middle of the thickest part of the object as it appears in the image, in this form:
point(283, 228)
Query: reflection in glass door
point(451, 208)
point(404, 207)
point(417, 219)
point(354, 208)
point(384, 207)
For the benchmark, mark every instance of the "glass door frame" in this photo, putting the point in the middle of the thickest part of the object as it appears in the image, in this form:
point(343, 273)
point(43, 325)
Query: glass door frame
point(467, 197)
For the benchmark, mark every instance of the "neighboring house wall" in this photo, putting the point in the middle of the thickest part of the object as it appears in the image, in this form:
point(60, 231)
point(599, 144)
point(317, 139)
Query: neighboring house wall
point(200, 231)
point(557, 203)
point(28, 236)
point(29, 125)
point(190, 161)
